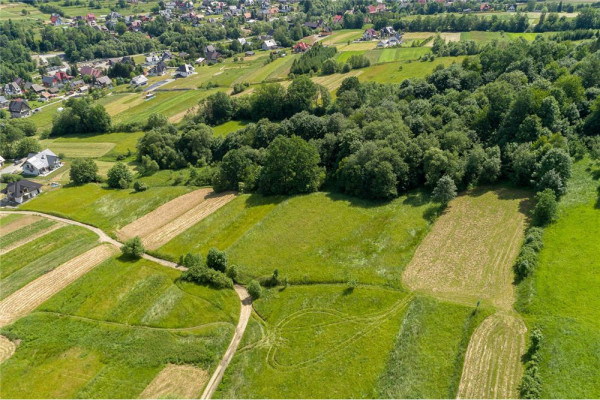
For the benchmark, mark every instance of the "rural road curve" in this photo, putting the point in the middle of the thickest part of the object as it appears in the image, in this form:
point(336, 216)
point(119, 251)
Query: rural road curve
point(245, 299)
point(245, 313)
point(104, 238)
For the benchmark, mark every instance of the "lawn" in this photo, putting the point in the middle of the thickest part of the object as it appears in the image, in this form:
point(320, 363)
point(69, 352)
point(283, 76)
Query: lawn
point(225, 129)
point(321, 237)
point(43, 118)
point(106, 146)
point(108, 209)
point(317, 341)
point(78, 149)
point(113, 330)
point(40, 256)
point(562, 297)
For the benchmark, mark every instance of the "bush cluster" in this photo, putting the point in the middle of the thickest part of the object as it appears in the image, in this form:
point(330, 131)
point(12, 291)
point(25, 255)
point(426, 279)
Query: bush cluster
point(531, 385)
point(214, 273)
point(528, 257)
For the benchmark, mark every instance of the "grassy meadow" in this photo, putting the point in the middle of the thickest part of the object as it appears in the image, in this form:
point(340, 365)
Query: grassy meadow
point(113, 330)
point(321, 237)
point(562, 296)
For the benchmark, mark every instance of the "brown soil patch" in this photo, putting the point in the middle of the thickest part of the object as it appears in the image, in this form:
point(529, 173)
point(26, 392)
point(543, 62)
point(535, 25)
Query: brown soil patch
point(185, 221)
point(176, 382)
point(35, 293)
point(31, 238)
point(7, 348)
point(469, 253)
point(162, 215)
point(493, 368)
point(18, 224)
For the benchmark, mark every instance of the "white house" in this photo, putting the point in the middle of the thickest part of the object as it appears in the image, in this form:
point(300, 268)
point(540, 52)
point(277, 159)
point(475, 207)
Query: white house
point(269, 44)
point(184, 70)
point(139, 80)
point(41, 163)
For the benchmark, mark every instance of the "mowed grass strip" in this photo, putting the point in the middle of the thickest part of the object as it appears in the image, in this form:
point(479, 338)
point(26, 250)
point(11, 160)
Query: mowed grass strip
point(78, 150)
point(108, 209)
point(472, 247)
point(316, 341)
point(32, 260)
point(24, 231)
point(15, 224)
point(493, 367)
point(142, 293)
point(561, 298)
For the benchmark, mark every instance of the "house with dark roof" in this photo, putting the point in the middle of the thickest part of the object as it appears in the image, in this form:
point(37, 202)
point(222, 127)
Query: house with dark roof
point(184, 70)
point(158, 70)
point(37, 88)
point(21, 191)
point(12, 89)
point(42, 163)
point(103, 81)
point(19, 108)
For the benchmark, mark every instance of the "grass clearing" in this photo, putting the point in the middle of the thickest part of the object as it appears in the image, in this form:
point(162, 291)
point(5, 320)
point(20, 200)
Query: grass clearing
point(108, 209)
point(231, 126)
point(78, 150)
point(67, 340)
point(562, 296)
point(396, 72)
point(469, 253)
point(317, 341)
point(32, 260)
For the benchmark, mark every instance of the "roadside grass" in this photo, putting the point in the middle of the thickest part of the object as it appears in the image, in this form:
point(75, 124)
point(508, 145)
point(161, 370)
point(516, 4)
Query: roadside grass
point(24, 232)
point(316, 341)
point(562, 295)
point(428, 355)
point(108, 209)
point(316, 238)
point(34, 259)
point(470, 251)
point(67, 341)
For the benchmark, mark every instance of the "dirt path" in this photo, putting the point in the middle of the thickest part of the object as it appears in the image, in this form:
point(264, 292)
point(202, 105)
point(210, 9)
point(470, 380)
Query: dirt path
point(492, 368)
point(104, 238)
point(31, 238)
point(26, 299)
point(245, 313)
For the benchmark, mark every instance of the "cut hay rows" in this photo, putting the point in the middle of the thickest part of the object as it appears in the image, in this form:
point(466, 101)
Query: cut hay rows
point(493, 366)
point(162, 215)
point(447, 36)
point(167, 232)
point(469, 253)
point(176, 382)
point(18, 224)
point(35, 293)
point(31, 238)
point(7, 348)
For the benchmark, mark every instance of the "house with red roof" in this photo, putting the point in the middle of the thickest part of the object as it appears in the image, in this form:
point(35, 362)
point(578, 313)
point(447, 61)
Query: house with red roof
point(93, 72)
point(90, 17)
point(376, 9)
point(300, 47)
point(338, 19)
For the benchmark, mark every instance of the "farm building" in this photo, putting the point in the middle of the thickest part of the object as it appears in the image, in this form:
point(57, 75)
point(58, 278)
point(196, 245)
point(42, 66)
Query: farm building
point(41, 163)
point(21, 191)
point(19, 108)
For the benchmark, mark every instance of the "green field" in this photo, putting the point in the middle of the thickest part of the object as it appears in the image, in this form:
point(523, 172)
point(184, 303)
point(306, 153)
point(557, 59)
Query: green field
point(401, 54)
point(228, 127)
point(321, 237)
point(108, 209)
point(108, 334)
point(23, 232)
point(105, 146)
point(396, 72)
point(30, 261)
point(562, 297)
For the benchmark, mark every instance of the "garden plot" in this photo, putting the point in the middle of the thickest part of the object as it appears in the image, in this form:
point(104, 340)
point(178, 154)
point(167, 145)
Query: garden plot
point(469, 253)
point(493, 366)
point(35, 293)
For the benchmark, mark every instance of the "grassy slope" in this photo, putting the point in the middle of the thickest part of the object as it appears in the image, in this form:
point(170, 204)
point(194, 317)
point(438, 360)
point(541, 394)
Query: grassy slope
point(563, 299)
point(114, 360)
point(107, 209)
point(319, 237)
point(28, 262)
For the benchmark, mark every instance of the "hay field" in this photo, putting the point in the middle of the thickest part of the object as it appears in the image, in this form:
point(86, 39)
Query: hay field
point(176, 381)
point(469, 253)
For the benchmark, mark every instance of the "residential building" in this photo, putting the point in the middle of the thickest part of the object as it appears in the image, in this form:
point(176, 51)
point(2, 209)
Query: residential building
point(19, 108)
point(139, 80)
point(269, 44)
point(21, 191)
point(42, 163)
point(184, 70)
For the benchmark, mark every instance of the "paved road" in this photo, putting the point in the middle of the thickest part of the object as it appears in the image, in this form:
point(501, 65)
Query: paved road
point(158, 84)
point(245, 299)
point(245, 313)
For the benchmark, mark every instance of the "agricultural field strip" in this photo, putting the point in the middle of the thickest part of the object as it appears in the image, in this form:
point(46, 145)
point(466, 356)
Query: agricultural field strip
point(37, 235)
point(185, 221)
point(176, 381)
point(17, 224)
point(35, 293)
point(7, 348)
point(492, 367)
point(164, 214)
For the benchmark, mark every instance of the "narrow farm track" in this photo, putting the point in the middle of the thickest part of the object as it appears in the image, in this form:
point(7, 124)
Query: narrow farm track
point(245, 313)
point(492, 366)
point(31, 238)
point(26, 299)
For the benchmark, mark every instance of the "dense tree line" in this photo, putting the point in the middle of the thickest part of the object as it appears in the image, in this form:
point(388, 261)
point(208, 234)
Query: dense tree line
point(313, 59)
point(80, 116)
point(516, 111)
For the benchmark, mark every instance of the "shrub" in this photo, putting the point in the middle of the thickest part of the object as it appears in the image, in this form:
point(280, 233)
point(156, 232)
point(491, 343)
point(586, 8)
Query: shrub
point(254, 289)
point(83, 170)
point(140, 186)
point(216, 260)
point(233, 273)
point(133, 248)
point(531, 384)
point(546, 207)
point(445, 190)
point(206, 276)
point(10, 178)
point(119, 176)
point(526, 262)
